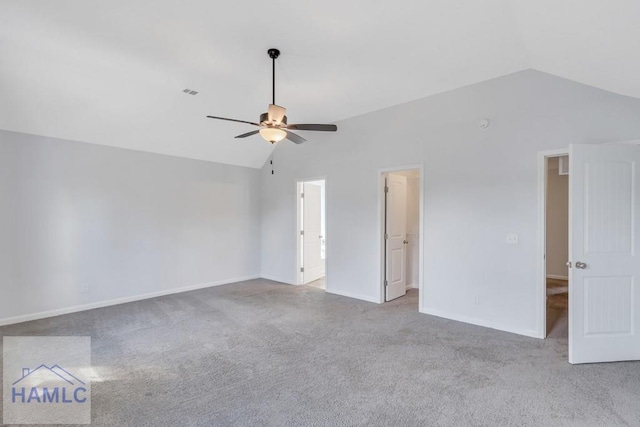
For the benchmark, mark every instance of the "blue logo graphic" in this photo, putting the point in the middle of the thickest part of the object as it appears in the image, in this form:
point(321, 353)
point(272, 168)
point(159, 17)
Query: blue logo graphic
point(46, 384)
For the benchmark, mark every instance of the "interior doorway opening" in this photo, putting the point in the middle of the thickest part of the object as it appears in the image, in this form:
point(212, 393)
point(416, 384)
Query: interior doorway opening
point(557, 247)
point(604, 194)
point(311, 231)
point(401, 238)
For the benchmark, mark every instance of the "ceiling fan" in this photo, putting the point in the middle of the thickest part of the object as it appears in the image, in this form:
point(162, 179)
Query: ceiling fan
point(273, 124)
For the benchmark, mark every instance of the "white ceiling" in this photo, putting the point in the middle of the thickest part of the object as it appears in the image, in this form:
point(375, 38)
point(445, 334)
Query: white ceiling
point(113, 72)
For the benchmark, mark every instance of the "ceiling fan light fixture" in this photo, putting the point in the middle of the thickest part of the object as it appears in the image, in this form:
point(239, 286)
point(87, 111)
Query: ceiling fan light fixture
point(272, 134)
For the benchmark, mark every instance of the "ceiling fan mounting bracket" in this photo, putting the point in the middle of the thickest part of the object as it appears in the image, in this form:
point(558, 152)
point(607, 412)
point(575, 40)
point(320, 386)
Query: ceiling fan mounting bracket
point(273, 53)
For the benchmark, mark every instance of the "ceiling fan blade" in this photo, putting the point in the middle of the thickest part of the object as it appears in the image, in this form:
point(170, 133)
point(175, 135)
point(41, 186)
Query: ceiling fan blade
point(276, 114)
point(325, 128)
point(295, 138)
point(244, 135)
point(233, 120)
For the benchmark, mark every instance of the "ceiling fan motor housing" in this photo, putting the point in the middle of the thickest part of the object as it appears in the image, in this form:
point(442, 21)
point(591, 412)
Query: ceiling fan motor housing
point(264, 120)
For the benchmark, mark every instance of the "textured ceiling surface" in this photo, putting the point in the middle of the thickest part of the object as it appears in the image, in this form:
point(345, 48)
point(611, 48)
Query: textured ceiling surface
point(113, 72)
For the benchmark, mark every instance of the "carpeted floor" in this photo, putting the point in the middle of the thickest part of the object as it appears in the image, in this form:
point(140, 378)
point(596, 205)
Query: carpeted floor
point(262, 353)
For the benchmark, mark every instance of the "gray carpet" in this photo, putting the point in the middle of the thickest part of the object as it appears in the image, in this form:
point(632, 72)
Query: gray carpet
point(262, 353)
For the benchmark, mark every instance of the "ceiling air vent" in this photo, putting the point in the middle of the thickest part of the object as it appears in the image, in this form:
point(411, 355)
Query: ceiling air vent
point(190, 92)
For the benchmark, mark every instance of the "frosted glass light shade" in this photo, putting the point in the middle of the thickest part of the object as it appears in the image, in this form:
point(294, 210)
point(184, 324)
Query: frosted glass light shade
point(273, 135)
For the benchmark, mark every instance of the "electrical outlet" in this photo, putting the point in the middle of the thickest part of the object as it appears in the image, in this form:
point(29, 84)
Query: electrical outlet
point(84, 288)
point(512, 239)
point(476, 300)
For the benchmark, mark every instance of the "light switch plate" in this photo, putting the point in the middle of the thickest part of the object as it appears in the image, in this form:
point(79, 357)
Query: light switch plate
point(512, 239)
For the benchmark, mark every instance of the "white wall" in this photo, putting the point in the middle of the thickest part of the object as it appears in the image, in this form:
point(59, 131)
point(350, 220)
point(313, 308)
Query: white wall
point(557, 221)
point(122, 223)
point(479, 186)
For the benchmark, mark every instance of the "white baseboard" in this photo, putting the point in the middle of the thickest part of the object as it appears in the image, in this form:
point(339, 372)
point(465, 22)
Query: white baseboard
point(355, 296)
point(276, 279)
point(91, 306)
point(554, 276)
point(481, 322)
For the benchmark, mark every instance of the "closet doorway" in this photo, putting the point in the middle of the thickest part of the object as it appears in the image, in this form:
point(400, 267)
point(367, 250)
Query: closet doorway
point(401, 233)
point(311, 257)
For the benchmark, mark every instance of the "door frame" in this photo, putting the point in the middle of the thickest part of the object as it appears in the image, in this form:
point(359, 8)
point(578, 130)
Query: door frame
point(298, 274)
point(381, 227)
point(543, 156)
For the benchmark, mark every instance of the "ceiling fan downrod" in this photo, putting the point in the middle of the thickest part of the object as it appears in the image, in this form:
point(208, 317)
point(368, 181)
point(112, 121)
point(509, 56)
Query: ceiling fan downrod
point(273, 54)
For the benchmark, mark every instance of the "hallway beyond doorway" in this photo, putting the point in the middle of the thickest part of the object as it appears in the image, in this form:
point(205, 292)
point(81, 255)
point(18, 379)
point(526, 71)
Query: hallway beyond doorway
point(557, 308)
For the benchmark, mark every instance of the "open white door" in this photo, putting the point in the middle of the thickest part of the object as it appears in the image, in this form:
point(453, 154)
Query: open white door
point(312, 264)
point(604, 300)
point(396, 236)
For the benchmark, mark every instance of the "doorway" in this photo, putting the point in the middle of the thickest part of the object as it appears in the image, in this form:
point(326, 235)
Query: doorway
point(311, 230)
point(401, 236)
point(553, 302)
point(557, 247)
point(604, 304)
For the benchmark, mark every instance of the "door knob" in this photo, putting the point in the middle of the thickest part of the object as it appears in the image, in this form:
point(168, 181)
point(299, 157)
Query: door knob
point(581, 265)
point(406, 242)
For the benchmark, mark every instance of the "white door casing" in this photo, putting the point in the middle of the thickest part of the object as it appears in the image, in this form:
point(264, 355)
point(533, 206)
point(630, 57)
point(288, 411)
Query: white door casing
point(604, 300)
point(312, 263)
point(396, 236)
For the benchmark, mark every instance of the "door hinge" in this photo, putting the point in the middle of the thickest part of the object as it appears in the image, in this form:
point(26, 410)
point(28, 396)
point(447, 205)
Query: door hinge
point(301, 269)
point(386, 189)
point(386, 283)
point(386, 236)
point(302, 232)
point(302, 195)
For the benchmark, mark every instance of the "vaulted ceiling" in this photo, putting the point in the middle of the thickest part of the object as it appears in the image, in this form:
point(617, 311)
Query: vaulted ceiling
point(113, 72)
